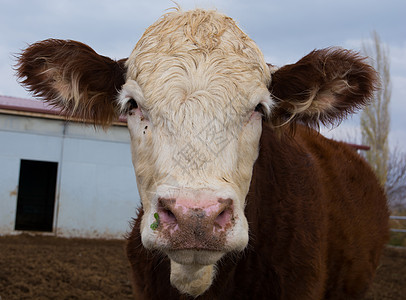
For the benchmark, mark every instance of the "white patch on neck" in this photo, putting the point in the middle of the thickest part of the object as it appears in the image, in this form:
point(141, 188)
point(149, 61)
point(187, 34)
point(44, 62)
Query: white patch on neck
point(192, 279)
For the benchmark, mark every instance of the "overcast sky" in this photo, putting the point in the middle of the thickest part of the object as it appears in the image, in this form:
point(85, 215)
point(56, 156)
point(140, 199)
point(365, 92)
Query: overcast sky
point(284, 30)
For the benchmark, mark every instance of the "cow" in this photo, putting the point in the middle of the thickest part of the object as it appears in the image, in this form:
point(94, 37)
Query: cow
point(242, 197)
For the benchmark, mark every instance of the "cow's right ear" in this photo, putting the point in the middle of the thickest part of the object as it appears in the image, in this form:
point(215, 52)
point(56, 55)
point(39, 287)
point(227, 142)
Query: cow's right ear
point(72, 76)
point(322, 87)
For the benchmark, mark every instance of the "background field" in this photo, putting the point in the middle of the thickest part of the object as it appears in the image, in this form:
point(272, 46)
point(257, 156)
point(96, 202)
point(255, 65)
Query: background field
point(39, 267)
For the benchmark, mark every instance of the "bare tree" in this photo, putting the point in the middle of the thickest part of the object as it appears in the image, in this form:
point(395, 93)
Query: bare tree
point(375, 118)
point(396, 180)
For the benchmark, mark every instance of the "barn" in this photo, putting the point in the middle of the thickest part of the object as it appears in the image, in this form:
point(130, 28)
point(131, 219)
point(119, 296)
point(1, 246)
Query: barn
point(63, 178)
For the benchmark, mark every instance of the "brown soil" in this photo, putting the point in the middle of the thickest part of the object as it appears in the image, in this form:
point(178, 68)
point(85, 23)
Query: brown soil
point(39, 267)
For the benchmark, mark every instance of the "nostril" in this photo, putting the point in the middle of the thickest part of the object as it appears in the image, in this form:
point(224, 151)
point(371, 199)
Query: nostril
point(223, 218)
point(168, 216)
point(165, 213)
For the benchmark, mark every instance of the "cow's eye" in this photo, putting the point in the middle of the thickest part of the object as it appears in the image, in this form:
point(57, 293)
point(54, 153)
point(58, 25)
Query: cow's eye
point(263, 110)
point(132, 104)
point(260, 108)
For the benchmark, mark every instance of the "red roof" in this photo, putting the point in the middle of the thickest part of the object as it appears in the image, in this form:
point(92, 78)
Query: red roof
point(34, 107)
point(27, 105)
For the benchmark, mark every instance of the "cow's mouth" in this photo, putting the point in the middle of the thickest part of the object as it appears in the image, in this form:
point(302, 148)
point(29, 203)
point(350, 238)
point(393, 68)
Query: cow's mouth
point(195, 256)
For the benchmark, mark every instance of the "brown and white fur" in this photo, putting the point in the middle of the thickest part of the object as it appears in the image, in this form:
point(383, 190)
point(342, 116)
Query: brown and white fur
point(203, 107)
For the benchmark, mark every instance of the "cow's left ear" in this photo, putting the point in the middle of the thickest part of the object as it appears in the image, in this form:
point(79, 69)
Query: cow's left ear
point(322, 87)
point(72, 76)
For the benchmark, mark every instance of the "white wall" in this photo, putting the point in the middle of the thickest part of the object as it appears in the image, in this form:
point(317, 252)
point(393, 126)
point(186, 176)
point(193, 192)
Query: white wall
point(96, 188)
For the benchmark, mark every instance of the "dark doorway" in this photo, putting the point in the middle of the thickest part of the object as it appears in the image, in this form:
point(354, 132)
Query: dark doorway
point(36, 195)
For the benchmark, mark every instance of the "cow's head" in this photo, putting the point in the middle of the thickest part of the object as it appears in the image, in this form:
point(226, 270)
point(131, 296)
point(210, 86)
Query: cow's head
point(196, 91)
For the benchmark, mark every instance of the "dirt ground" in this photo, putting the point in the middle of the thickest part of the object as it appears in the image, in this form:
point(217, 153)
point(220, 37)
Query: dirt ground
point(38, 267)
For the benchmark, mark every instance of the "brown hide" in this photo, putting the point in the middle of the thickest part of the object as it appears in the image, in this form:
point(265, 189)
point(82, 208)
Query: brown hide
point(318, 220)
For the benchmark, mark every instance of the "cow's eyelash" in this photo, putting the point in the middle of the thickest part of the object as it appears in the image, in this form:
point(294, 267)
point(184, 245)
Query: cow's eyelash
point(259, 108)
point(132, 104)
point(262, 109)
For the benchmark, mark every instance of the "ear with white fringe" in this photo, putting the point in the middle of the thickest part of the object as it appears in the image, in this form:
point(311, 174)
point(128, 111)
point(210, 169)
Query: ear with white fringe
point(322, 87)
point(72, 76)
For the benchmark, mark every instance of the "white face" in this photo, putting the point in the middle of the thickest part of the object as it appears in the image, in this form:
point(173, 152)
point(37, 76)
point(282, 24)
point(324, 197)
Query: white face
point(195, 127)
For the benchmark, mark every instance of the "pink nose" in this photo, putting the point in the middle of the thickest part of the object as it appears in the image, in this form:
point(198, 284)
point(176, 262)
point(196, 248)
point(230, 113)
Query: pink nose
point(191, 224)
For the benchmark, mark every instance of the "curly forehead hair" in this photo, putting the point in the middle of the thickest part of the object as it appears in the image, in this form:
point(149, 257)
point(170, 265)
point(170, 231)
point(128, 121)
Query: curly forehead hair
point(185, 53)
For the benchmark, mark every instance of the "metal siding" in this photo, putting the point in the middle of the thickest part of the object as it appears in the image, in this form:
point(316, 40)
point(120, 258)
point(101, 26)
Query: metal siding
point(98, 189)
point(14, 146)
point(8, 192)
point(96, 192)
